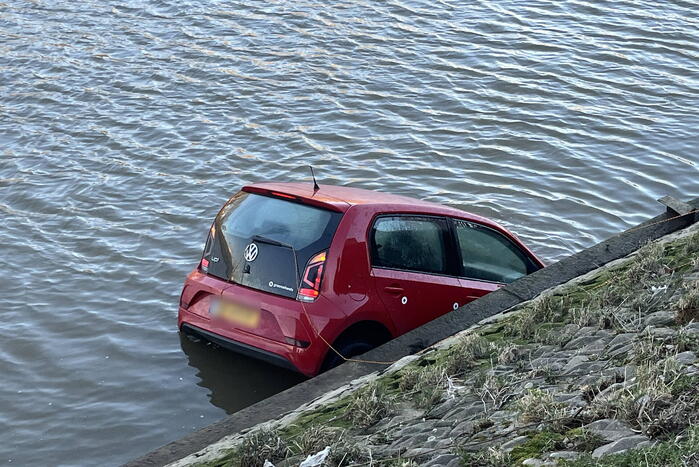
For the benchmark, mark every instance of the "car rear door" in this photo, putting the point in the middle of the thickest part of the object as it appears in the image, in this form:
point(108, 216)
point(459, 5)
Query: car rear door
point(414, 268)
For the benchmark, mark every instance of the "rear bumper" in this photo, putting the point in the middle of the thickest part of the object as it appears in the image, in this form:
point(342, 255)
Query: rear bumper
point(302, 360)
point(239, 347)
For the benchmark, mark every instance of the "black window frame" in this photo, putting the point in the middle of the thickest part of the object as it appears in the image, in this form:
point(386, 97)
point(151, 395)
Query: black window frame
point(532, 265)
point(453, 267)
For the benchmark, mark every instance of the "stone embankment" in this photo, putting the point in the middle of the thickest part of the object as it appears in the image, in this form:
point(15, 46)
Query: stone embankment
point(602, 370)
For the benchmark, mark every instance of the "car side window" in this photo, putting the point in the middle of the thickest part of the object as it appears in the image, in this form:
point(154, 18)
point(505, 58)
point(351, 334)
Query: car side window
point(488, 255)
point(409, 243)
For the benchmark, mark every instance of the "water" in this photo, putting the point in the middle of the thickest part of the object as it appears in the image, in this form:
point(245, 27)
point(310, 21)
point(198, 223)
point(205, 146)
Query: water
point(124, 125)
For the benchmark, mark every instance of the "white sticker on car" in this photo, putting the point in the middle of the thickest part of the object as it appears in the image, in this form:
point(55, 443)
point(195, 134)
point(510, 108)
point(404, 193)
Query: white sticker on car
point(274, 285)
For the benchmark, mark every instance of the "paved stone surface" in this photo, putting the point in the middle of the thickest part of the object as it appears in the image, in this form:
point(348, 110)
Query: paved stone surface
point(660, 332)
point(565, 455)
point(621, 445)
point(442, 460)
point(574, 363)
point(610, 429)
point(580, 342)
point(537, 462)
point(686, 358)
point(660, 318)
point(621, 340)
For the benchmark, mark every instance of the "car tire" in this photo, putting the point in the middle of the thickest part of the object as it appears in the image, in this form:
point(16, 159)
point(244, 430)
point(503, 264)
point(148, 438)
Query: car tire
point(348, 349)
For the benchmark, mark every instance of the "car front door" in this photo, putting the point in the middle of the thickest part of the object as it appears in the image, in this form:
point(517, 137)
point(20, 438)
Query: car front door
point(414, 268)
point(488, 259)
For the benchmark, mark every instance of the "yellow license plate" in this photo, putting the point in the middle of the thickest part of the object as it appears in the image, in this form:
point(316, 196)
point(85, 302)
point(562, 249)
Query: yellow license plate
point(236, 314)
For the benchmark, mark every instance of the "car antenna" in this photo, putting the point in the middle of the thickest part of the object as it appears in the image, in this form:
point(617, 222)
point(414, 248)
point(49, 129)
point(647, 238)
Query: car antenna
point(315, 184)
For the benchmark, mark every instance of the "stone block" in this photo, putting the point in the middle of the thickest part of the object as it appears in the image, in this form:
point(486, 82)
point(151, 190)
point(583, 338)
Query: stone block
point(621, 445)
point(610, 429)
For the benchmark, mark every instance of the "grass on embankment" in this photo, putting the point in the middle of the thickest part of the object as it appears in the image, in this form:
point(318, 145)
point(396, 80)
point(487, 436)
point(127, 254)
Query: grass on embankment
point(682, 452)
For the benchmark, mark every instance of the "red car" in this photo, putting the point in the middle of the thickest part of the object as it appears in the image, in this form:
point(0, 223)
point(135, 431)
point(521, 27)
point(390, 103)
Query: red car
point(287, 267)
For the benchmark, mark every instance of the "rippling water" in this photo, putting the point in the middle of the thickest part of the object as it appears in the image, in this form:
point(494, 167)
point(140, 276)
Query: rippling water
point(124, 125)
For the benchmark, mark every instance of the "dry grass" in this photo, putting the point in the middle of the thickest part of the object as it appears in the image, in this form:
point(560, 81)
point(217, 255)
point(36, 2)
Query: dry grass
point(649, 265)
point(547, 372)
point(661, 399)
point(523, 325)
point(368, 405)
point(593, 314)
point(691, 246)
point(686, 340)
point(409, 378)
point(342, 450)
point(316, 438)
point(398, 462)
point(590, 391)
point(547, 309)
point(425, 386)
point(623, 313)
point(494, 391)
point(629, 293)
point(465, 354)
point(682, 451)
point(667, 400)
point(260, 446)
point(650, 349)
point(687, 306)
point(491, 457)
point(508, 354)
point(540, 406)
point(581, 439)
point(613, 294)
point(345, 452)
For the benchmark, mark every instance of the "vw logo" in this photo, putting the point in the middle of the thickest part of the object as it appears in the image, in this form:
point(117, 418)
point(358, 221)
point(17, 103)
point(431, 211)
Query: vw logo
point(250, 253)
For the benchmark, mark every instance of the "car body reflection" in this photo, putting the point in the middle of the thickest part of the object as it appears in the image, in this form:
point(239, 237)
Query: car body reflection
point(234, 381)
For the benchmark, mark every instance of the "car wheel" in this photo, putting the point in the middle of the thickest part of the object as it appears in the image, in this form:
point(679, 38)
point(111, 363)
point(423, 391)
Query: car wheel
point(348, 349)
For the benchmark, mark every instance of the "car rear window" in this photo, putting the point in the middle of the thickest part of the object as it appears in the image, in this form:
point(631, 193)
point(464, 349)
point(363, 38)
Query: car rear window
point(278, 229)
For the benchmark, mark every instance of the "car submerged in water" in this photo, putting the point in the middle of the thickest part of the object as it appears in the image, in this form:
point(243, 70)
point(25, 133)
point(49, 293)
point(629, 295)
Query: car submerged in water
point(290, 269)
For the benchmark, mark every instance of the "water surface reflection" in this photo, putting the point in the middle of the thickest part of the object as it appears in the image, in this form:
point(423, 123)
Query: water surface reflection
point(234, 381)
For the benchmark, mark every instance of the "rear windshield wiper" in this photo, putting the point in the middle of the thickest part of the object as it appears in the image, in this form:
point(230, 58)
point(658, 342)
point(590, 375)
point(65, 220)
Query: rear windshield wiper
point(269, 241)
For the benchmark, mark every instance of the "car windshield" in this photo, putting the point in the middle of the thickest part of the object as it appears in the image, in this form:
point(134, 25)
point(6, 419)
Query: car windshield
point(278, 229)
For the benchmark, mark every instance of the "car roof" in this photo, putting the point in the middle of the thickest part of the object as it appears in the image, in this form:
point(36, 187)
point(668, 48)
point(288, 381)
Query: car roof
point(341, 198)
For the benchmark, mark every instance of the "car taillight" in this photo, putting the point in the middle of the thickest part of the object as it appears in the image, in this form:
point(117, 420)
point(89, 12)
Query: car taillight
point(310, 282)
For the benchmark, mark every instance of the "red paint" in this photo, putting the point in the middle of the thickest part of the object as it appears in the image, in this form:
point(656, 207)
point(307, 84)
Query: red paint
point(349, 290)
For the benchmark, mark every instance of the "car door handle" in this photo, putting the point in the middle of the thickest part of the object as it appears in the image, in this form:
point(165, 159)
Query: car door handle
point(394, 290)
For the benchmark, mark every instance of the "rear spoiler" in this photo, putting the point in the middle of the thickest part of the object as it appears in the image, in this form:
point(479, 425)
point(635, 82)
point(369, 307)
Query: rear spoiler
point(291, 197)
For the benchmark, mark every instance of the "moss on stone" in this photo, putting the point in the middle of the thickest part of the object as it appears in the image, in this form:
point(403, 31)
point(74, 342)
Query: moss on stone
point(539, 443)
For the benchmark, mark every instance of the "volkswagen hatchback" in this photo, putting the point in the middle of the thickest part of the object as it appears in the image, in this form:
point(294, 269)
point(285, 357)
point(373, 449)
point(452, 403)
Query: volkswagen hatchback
point(288, 269)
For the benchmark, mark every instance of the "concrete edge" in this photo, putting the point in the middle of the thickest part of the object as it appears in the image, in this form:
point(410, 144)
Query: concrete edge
point(522, 290)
